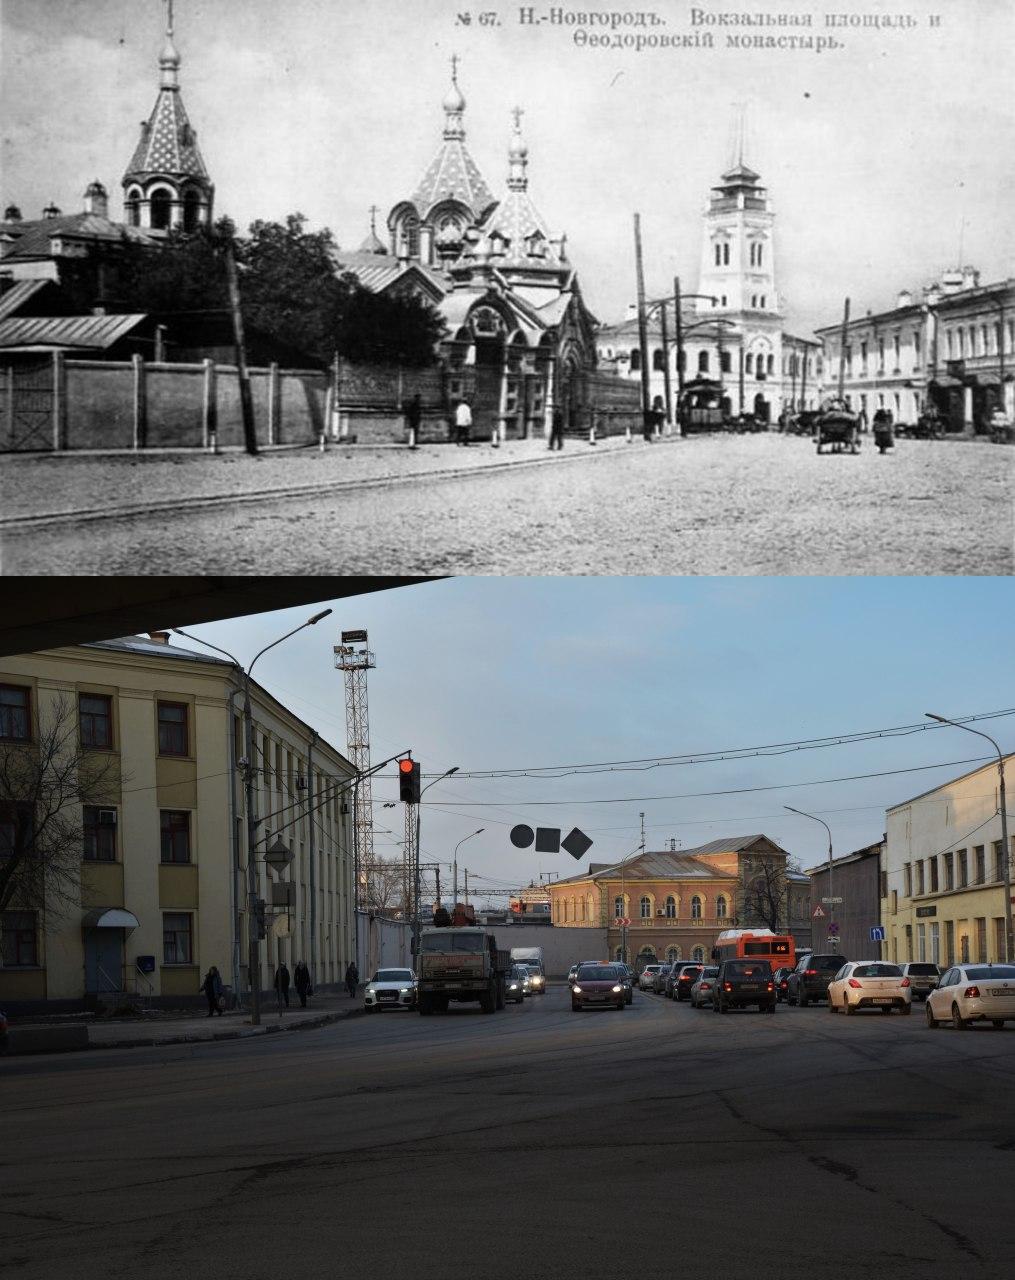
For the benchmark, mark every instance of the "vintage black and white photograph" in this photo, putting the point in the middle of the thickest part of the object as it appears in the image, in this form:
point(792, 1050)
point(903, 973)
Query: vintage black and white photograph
point(408, 286)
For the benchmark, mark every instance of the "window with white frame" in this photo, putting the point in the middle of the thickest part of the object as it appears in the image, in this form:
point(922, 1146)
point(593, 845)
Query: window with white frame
point(177, 937)
point(671, 907)
point(696, 907)
point(646, 907)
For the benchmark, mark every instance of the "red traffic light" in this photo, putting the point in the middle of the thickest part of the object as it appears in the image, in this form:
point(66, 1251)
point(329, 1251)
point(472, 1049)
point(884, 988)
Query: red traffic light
point(405, 766)
point(408, 781)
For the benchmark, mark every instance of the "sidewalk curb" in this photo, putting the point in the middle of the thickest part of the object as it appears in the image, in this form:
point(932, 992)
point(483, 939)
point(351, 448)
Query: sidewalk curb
point(244, 1033)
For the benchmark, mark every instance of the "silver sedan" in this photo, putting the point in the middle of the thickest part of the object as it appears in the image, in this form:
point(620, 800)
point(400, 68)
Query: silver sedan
point(970, 993)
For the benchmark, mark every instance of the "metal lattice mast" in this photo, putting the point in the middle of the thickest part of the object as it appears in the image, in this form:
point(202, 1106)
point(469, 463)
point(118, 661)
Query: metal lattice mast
point(354, 658)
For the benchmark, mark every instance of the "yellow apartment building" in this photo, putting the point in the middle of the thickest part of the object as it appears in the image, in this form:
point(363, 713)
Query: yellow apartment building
point(160, 891)
point(943, 897)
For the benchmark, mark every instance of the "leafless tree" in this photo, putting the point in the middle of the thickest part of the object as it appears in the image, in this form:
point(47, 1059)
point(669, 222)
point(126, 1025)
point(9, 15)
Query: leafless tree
point(763, 893)
point(384, 886)
point(43, 785)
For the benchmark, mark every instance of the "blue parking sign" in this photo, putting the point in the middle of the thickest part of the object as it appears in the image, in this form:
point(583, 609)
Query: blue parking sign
point(877, 933)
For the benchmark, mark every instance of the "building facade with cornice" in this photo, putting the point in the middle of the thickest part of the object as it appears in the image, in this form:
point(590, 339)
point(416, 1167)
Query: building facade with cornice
point(159, 892)
point(677, 901)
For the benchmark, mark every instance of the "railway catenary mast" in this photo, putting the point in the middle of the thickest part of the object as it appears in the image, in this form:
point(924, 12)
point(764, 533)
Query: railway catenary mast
point(353, 656)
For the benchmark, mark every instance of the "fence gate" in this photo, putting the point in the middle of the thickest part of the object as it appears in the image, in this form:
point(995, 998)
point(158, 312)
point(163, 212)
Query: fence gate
point(28, 405)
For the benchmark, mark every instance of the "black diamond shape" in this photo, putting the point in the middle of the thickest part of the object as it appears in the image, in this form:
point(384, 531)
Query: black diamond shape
point(576, 843)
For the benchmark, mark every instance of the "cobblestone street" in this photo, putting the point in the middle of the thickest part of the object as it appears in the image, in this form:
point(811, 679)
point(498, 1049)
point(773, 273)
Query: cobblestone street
point(708, 505)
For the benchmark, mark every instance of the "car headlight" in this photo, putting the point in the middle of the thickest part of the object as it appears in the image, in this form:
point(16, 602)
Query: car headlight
point(577, 990)
point(513, 987)
point(616, 989)
point(404, 991)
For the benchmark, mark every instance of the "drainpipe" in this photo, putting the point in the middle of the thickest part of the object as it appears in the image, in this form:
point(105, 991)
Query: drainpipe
point(233, 845)
point(313, 858)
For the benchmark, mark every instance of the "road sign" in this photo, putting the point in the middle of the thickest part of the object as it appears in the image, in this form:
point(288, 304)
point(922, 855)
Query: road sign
point(832, 901)
point(877, 933)
point(547, 840)
point(622, 922)
point(819, 912)
point(833, 930)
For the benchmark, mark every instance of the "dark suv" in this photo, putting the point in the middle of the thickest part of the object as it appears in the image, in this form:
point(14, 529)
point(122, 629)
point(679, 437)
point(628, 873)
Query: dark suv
point(743, 982)
point(810, 979)
point(684, 978)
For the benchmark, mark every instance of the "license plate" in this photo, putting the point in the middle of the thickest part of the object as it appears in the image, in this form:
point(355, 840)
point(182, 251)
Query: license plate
point(1001, 991)
point(750, 986)
point(883, 1000)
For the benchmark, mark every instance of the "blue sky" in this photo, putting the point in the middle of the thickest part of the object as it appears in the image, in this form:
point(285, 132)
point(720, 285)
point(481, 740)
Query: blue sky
point(497, 673)
point(886, 159)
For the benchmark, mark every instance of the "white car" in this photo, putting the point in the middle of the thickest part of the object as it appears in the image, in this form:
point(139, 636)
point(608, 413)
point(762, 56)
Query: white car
point(870, 984)
point(701, 990)
point(516, 986)
point(647, 976)
point(390, 989)
point(970, 993)
point(537, 983)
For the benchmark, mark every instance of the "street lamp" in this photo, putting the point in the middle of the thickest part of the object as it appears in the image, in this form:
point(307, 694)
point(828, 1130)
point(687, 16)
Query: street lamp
point(833, 939)
point(1005, 855)
point(415, 879)
point(254, 948)
point(454, 865)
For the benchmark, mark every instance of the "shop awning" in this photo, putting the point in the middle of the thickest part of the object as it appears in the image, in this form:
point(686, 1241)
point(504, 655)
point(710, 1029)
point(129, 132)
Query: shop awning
point(109, 918)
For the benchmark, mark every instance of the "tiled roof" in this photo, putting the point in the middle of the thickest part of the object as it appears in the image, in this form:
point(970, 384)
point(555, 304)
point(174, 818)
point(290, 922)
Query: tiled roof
point(516, 219)
point(86, 332)
point(680, 864)
point(453, 175)
point(168, 144)
point(376, 271)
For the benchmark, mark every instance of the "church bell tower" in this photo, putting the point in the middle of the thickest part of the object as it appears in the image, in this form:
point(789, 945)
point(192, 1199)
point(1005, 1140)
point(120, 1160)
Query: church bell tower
point(166, 185)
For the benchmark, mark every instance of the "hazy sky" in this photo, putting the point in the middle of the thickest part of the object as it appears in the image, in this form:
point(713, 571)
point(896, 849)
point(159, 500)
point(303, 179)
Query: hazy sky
point(497, 673)
point(883, 158)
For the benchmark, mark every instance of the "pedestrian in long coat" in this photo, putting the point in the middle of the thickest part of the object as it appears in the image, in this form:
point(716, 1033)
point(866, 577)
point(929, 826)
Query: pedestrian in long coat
point(352, 978)
point(282, 982)
point(212, 988)
point(301, 980)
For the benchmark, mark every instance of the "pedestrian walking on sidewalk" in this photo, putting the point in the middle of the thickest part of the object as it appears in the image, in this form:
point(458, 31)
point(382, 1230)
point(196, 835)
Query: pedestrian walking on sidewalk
point(463, 422)
point(413, 411)
point(282, 982)
point(352, 978)
point(301, 980)
point(557, 430)
point(212, 988)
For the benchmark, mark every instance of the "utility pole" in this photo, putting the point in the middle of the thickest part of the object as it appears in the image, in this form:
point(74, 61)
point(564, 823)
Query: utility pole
point(679, 322)
point(842, 348)
point(642, 324)
point(666, 365)
point(466, 886)
point(243, 373)
point(313, 857)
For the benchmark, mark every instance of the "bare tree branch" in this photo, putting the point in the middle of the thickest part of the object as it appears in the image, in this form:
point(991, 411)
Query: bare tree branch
point(385, 888)
point(43, 785)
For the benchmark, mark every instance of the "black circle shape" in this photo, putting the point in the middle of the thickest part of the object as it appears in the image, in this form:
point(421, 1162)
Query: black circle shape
point(522, 836)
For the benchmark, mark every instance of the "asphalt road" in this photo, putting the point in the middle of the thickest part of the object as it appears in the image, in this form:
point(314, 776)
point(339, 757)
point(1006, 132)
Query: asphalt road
point(764, 504)
point(535, 1142)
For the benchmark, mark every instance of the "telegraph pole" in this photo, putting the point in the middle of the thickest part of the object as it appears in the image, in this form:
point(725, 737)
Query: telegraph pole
point(642, 322)
point(243, 373)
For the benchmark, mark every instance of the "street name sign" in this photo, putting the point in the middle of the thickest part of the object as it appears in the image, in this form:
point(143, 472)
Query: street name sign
point(832, 901)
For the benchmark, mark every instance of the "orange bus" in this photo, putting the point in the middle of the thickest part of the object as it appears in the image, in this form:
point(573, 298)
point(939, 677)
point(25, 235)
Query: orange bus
point(755, 944)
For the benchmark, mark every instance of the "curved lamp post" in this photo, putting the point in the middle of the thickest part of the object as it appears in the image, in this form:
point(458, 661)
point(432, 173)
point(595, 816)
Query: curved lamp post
point(834, 941)
point(454, 865)
point(1005, 852)
point(254, 949)
point(415, 878)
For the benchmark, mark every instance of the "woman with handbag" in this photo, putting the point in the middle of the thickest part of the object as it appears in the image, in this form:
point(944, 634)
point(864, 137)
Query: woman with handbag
point(212, 988)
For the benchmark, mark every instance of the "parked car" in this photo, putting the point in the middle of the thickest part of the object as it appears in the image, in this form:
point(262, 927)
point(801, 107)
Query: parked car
point(516, 986)
point(781, 980)
point(970, 993)
point(659, 978)
point(597, 984)
point(743, 982)
point(923, 977)
point(701, 988)
point(810, 978)
point(647, 976)
point(687, 976)
point(870, 984)
point(390, 989)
